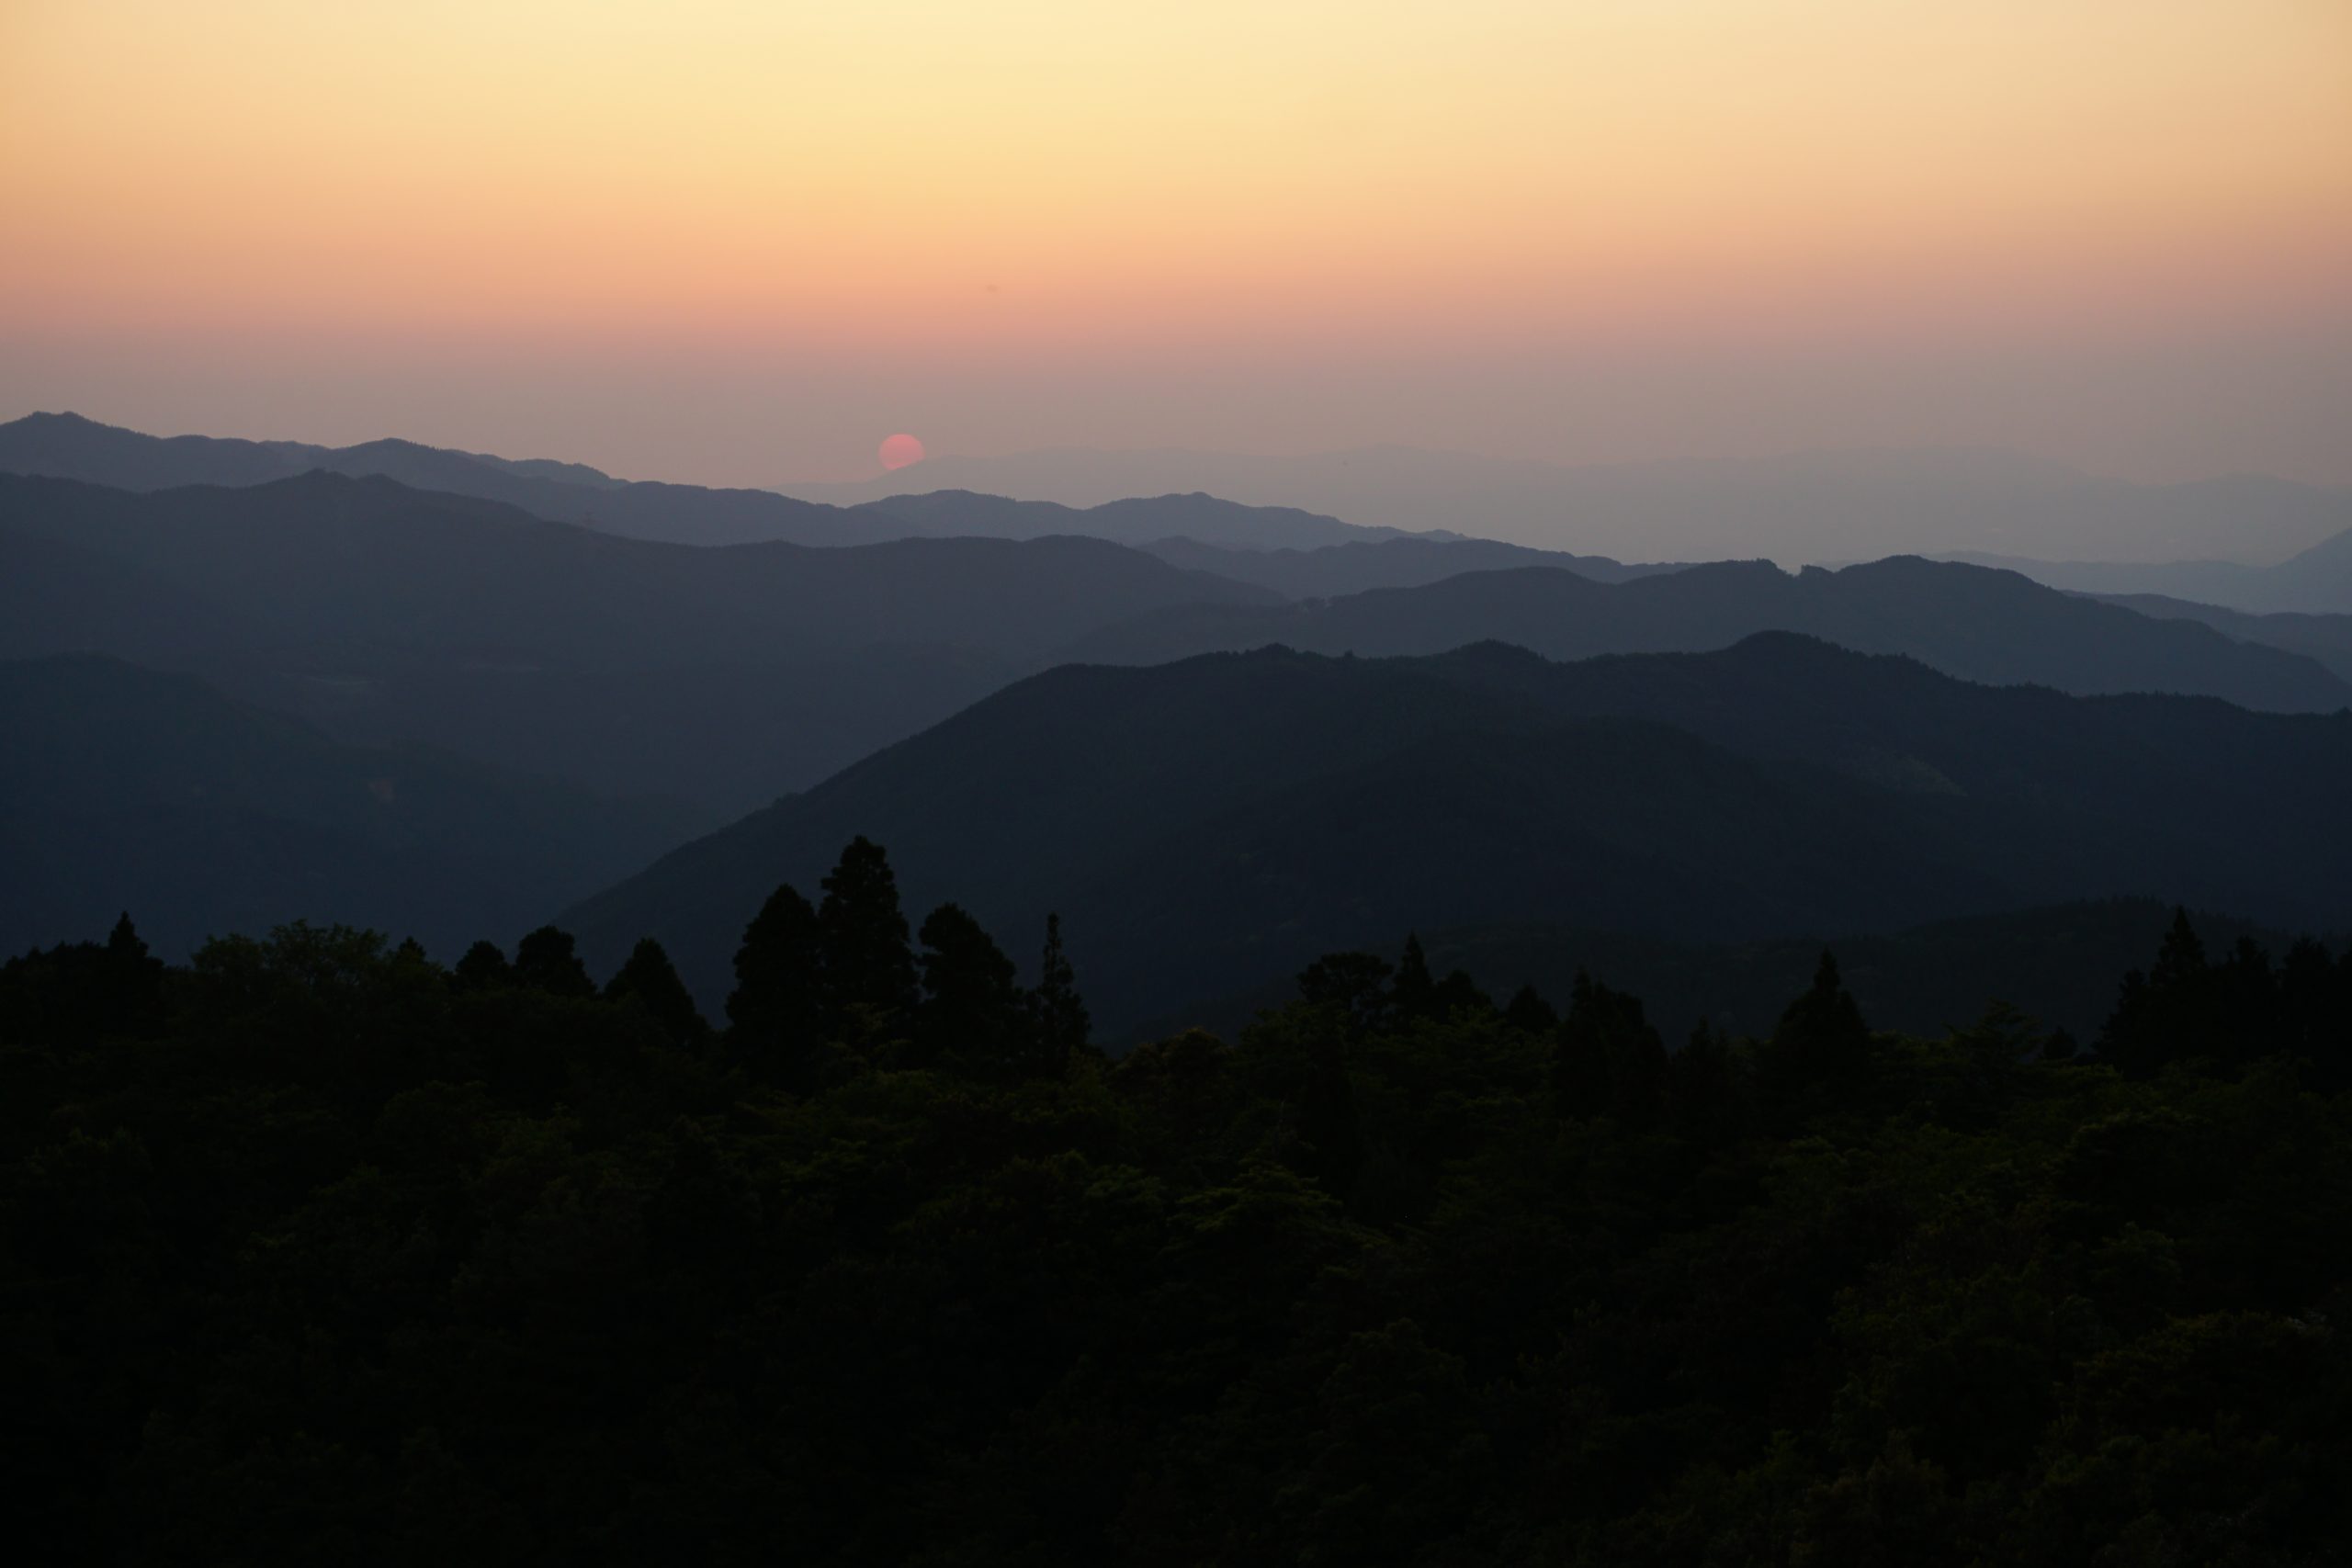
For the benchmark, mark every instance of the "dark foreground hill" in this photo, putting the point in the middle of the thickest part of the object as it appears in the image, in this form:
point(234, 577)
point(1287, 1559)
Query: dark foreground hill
point(725, 676)
point(1972, 622)
point(1207, 825)
point(121, 789)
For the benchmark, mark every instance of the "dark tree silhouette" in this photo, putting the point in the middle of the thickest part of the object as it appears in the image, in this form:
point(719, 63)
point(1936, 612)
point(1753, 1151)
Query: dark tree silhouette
point(862, 934)
point(546, 960)
point(777, 1014)
point(1821, 1042)
point(482, 969)
point(1354, 983)
point(1527, 1009)
point(972, 1009)
point(1414, 994)
point(1058, 1013)
point(649, 980)
point(1609, 1061)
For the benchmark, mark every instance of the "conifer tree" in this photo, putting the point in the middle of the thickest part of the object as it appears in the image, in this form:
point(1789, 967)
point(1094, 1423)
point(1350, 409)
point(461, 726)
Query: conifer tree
point(777, 1014)
point(862, 934)
point(546, 960)
point(1821, 1042)
point(1414, 994)
point(482, 969)
point(1527, 1009)
point(652, 982)
point(1059, 1018)
point(972, 1009)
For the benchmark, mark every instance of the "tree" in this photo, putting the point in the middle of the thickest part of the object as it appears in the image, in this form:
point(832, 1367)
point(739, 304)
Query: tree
point(649, 980)
point(777, 1014)
point(1414, 994)
point(1529, 1011)
point(1821, 1042)
point(1609, 1060)
point(2168, 1013)
point(1058, 1015)
point(1354, 983)
point(546, 960)
point(482, 969)
point(862, 935)
point(972, 1009)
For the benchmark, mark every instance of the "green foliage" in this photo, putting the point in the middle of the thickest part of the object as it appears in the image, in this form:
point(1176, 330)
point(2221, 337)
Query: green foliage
point(314, 1251)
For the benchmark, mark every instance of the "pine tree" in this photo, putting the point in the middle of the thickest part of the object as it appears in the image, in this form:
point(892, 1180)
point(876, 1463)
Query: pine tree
point(777, 1014)
point(972, 1009)
point(651, 980)
point(1609, 1061)
point(862, 935)
point(1529, 1011)
point(1414, 994)
point(1058, 1016)
point(1821, 1042)
point(547, 960)
point(482, 969)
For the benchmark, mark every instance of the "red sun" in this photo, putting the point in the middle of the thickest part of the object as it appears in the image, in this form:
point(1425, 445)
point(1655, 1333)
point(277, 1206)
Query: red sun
point(900, 450)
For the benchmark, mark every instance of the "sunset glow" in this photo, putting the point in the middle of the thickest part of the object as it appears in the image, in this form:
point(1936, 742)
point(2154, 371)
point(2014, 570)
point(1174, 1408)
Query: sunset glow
point(959, 195)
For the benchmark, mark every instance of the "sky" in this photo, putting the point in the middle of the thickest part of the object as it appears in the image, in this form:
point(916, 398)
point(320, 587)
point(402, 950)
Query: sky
point(743, 243)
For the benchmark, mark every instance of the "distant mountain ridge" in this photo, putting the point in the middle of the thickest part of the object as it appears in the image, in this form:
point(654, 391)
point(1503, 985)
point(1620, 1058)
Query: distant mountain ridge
point(1966, 621)
point(1227, 817)
point(70, 446)
point(724, 675)
point(1795, 507)
point(2317, 580)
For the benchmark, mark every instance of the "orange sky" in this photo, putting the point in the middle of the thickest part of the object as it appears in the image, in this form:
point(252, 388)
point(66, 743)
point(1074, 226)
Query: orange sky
point(1271, 225)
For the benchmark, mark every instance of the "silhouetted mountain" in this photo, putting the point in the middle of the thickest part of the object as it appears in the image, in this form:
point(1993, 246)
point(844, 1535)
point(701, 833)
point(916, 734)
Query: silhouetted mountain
point(2326, 638)
point(724, 675)
point(69, 446)
point(121, 788)
point(1140, 521)
point(1966, 621)
point(1807, 506)
point(2317, 580)
point(1334, 570)
point(1223, 819)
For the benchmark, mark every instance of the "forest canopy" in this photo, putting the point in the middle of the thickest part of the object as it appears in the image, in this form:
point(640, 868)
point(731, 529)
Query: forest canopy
point(320, 1251)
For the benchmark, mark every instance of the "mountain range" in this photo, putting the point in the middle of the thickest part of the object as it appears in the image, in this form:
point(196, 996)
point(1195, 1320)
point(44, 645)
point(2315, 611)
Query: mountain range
point(722, 675)
point(2317, 580)
point(68, 447)
point(1212, 824)
point(1798, 507)
point(1981, 625)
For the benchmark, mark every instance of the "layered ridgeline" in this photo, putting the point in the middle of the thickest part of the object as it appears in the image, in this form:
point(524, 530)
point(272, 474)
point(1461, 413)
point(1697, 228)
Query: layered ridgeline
point(2317, 580)
point(1206, 825)
point(1816, 506)
point(2324, 639)
point(729, 675)
point(123, 789)
point(1975, 623)
point(725, 676)
point(69, 446)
